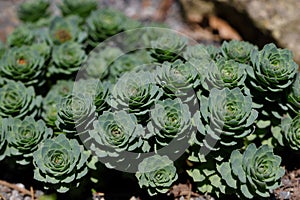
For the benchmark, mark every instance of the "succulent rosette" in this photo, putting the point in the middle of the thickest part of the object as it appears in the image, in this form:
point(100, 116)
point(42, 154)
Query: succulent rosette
point(66, 29)
point(23, 64)
point(67, 58)
point(33, 10)
point(168, 47)
point(75, 114)
point(78, 7)
point(24, 136)
point(170, 119)
point(103, 91)
point(254, 173)
point(60, 163)
point(239, 51)
point(214, 52)
point(124, 63)
point(178, 79)
point(59, 90)
point(43, 49)
point(98, 62)
point(21, 35)
point(135, 92)
point(151, 32)
point(291, 131)
point(114, 134)
point(102, 24)
point(95, 89)
point(17, 100)
point(49, 114)
point(157, 174)
point(197, 52)
point(225, 73)
point(226, 116)
point(273, 69)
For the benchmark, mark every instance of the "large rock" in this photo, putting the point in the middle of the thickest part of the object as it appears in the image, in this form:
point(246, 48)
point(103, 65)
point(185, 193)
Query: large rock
point(258, 21)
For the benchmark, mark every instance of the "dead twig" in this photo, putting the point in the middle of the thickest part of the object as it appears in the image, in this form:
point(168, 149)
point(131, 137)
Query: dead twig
point(190, 191)
point(2, 197)
point(15, 187)
point(32, 193)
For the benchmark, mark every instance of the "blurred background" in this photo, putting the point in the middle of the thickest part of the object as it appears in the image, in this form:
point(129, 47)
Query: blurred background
point(207, 21)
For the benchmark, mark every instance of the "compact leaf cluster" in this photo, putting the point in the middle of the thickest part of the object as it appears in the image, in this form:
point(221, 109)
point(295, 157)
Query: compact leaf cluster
point(66, 100)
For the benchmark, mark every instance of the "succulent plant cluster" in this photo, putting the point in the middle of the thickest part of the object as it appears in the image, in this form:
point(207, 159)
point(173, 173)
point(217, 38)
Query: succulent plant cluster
point(68, 96)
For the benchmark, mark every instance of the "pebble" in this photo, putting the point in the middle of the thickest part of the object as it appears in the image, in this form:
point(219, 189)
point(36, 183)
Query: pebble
point(15, 195)
point(284, 195)
point(11, 194)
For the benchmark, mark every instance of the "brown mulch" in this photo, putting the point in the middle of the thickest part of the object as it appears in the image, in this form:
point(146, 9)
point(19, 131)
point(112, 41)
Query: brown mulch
point(290, 188)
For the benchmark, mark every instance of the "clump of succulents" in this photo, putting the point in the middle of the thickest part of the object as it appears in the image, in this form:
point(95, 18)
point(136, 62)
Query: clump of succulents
point(136, 103)
point(223, 120)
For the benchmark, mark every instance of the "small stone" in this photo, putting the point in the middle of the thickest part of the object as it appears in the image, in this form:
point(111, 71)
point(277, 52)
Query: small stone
point(14, 195)
point(38, 193)
point(4, 189)
point(27, 198)
point(284, 195)
point(199, 198)
point(20, 185)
